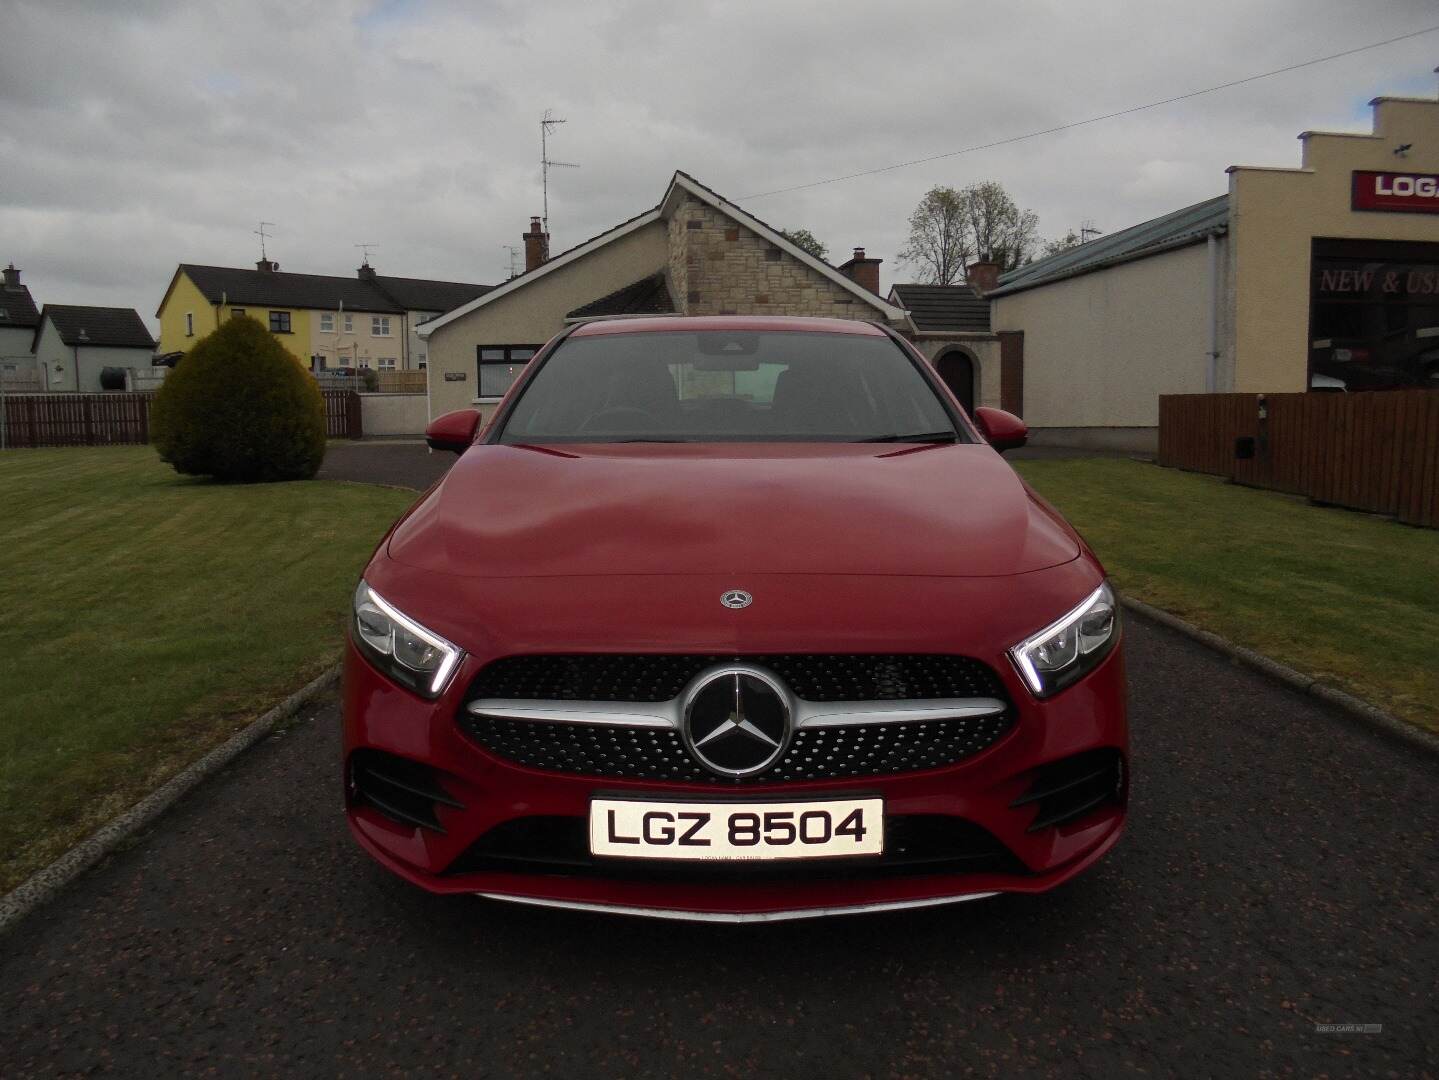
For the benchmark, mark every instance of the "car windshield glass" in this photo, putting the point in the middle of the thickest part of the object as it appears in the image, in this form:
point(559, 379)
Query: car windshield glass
point(729, 386)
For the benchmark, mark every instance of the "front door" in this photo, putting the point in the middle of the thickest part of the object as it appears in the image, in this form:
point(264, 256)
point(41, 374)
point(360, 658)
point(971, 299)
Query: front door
point(957, 371)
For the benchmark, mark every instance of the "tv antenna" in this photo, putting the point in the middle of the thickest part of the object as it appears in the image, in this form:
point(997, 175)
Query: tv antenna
point(547, 122)
point(514, 251)
point(262, 234)
point(366, 249)
point(1087, 230)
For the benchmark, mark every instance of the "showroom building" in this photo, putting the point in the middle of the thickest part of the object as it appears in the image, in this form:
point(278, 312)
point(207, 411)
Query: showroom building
point(1322, 277)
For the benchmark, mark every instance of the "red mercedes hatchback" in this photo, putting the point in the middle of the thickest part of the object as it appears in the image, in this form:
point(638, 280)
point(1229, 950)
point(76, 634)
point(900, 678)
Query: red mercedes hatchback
point(733, 619)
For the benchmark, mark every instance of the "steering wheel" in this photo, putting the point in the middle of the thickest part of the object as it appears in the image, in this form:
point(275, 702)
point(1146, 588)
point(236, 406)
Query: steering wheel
point(629, 417)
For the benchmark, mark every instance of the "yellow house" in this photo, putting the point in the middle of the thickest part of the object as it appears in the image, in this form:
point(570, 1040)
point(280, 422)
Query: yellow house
point(366, 321)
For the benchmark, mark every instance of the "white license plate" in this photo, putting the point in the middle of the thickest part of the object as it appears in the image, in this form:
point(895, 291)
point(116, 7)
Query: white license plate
point(810, 829)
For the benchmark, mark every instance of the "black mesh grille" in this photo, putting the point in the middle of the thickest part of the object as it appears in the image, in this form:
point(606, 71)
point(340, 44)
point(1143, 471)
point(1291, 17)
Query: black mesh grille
point(879, 749)
point(588, 749)
point(820, 677)
point(660, 754)
point(814, 754)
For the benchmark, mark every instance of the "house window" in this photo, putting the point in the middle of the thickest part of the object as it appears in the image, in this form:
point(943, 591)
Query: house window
point(500, 366)
point(235, 312)
point(365, 362)
point(349, 322)
point(279, 322)
point(379, 326)
point(327, 323)
point(421, 362)
point(189, 324)
point(387, 363)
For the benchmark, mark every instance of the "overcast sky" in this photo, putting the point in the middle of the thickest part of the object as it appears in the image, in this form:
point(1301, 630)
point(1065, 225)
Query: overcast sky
point(135, 135)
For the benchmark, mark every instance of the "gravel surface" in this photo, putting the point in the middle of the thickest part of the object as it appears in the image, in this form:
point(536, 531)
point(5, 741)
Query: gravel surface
point(1279, 872)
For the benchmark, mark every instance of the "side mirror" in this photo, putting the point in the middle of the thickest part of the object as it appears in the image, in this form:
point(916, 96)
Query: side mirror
point(454, 431)
point(1004, 430)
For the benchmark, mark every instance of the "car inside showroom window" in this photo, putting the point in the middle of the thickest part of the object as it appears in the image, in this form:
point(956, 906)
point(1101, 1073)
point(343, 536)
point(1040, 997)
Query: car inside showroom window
point(730, 386)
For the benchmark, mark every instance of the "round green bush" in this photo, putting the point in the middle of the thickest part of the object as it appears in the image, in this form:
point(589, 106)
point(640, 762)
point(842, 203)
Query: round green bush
point(239, 407)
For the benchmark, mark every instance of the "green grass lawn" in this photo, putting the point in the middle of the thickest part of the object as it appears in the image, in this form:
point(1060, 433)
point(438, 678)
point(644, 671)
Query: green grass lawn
point(147, 617)
point(1346, 597)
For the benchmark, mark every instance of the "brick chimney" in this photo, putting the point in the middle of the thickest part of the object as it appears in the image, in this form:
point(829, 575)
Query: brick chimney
point(268, 266)
point(983, 275)
point(537, 245)
point(12, 276)
point(366, 272)
point(862, 271)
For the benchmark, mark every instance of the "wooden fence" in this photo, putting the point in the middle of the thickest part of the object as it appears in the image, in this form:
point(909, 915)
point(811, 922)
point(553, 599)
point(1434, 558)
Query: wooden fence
point(117, 418)
point(1374, 451)
point(400, 382)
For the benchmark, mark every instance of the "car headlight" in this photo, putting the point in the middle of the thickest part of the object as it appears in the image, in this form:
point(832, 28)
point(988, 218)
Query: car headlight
point(1071, 647)
point(400, 647)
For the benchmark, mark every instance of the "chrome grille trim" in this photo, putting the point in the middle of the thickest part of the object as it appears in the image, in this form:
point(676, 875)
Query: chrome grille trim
point(830, 714)
point(642, 714)
point(667, 714)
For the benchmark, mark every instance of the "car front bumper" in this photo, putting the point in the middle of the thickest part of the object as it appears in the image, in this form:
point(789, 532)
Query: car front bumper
point(986, 791)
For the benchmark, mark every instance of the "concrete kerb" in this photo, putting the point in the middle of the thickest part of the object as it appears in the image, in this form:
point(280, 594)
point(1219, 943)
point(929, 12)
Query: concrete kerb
point(1358, 708)
point(46, 883)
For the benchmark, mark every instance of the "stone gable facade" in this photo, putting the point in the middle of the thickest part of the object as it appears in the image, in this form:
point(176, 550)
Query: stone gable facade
point(713, 264)
point(719, 267)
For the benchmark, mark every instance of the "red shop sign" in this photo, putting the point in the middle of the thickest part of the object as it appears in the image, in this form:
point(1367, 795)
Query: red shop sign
point(1412, 193)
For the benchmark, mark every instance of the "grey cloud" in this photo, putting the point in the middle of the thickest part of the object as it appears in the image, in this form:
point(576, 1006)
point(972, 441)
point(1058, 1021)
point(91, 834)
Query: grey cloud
point(136, 136)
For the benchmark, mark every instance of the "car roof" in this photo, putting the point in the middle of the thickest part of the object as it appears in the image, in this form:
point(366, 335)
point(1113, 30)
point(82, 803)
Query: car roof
point(691, 323)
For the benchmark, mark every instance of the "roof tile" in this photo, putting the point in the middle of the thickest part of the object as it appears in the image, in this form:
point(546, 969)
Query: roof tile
point(79, 325)
point(1186, 226)
point(945, 307)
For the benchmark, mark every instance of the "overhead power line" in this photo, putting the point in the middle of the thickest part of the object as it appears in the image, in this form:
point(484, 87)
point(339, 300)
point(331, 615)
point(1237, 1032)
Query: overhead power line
point(1096, 119)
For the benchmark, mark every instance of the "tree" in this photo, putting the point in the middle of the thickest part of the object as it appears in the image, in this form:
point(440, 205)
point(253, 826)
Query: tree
point(938, 243)
point(1071, 239)
point(950, 228)
point(239, 407)
point(806, 241)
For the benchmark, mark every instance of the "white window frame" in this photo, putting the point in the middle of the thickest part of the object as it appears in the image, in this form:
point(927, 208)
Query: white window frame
point(379, 326)
point(327, 322)
point(349, 324)
point(387, 363)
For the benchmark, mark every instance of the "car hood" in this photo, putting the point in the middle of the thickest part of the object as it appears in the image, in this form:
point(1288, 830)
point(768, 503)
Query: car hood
point(701, 509)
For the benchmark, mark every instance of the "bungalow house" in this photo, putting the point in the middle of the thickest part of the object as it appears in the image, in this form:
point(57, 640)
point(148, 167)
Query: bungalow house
point(696, 253)
point(74, 344)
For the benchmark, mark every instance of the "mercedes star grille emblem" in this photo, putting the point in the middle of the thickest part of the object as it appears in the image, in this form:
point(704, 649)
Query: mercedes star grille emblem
point(736, 598)
point(736, 721)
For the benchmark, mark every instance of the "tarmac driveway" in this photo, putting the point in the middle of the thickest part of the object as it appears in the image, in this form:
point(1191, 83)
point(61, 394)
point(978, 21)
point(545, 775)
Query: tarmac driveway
point(406, 463)
point(393, 462)
point(1279, 872)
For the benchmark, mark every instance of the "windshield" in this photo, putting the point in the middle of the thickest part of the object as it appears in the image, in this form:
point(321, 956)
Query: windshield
point(736, 386)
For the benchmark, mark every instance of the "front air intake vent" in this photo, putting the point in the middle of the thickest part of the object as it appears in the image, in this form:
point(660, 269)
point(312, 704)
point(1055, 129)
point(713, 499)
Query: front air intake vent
point(402, 790)
point(1068, 789)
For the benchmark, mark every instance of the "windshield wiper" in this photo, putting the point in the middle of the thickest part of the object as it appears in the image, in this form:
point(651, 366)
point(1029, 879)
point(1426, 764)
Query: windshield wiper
point(917, 437)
